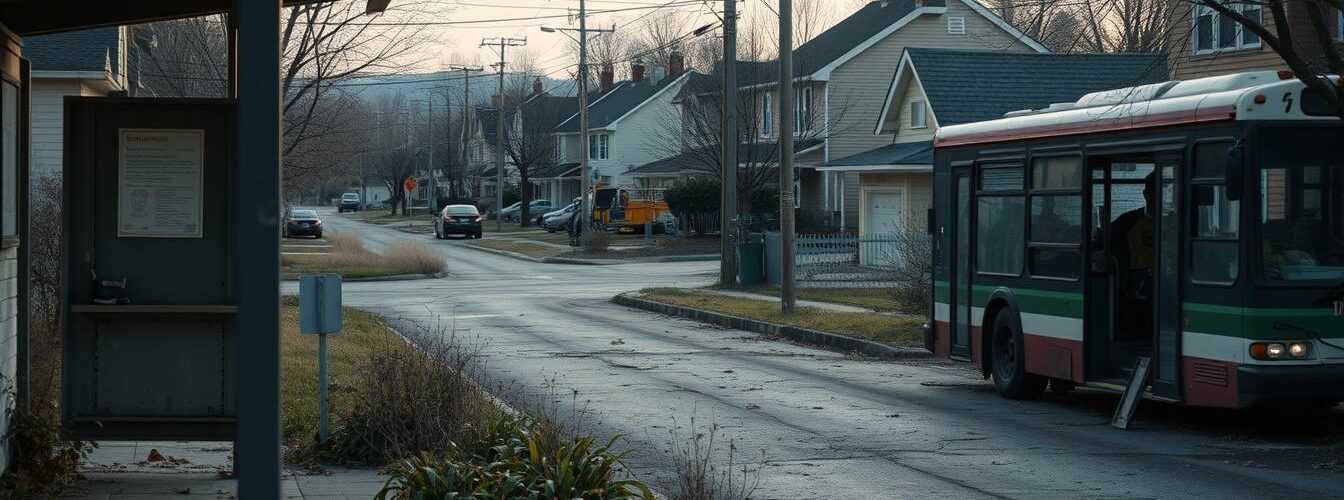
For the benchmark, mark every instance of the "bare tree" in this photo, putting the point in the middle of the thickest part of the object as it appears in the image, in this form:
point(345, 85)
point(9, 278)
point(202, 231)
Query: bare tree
point(529, 141)
point(1308, 47)
point(325, 45)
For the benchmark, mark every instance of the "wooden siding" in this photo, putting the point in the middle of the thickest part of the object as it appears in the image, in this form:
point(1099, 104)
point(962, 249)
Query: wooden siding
point(913, 92)
point(858, 87)
point(1185, 64)
point(917, 188)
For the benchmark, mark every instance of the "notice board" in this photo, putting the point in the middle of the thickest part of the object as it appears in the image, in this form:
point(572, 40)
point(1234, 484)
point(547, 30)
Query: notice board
point(149, 332)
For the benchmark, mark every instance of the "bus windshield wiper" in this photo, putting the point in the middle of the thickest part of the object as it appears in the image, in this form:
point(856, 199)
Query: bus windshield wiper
point(1279, 325)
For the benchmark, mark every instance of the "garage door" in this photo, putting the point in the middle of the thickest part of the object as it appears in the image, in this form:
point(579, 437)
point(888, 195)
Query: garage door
point(882, 215)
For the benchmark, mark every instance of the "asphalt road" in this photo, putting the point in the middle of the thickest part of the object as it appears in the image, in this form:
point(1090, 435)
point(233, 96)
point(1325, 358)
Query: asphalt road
point(818, 424)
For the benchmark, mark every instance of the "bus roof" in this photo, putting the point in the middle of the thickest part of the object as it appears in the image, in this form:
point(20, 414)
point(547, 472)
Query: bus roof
point(1255, 95)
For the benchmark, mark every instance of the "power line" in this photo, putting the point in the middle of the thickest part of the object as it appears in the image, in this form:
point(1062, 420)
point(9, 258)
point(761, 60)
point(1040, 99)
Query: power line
point(509, 19)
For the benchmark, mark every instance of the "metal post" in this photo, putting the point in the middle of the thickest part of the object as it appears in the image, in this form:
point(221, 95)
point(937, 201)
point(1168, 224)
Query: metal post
point(256, 209)
point(323, 402)
point(433, 178)
point(728, 137)
point(585, 211)
point(363, 183)
point(466, 117)
point(787, 297)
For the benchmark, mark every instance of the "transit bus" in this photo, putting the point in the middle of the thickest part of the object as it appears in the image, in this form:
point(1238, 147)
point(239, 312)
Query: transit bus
point(1197, 223)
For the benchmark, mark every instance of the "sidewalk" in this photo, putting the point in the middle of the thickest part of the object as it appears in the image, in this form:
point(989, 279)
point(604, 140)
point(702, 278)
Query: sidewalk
point(123, 470)
point(826, 306)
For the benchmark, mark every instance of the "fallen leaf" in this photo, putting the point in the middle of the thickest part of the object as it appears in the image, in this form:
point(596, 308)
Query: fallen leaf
point(155, 456)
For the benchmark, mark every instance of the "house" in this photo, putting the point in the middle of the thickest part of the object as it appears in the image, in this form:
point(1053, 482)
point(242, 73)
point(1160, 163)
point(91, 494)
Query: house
point(1213, 45)
point(91, 62)
point(935, 88)
point(842, 73)
point(628, 123)
point(534, 144)
point(481, 153)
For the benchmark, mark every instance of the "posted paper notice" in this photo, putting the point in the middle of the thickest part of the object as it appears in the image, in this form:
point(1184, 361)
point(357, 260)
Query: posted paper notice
point(160, 177)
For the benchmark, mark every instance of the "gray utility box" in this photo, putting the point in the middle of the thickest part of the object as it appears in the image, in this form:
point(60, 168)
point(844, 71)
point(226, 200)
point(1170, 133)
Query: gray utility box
point(150, 342)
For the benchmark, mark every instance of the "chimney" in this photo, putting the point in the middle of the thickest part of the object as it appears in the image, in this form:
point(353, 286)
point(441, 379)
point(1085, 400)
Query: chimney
point(637, 71)
point(607, 78)
point(676, 64)
point(536, 86)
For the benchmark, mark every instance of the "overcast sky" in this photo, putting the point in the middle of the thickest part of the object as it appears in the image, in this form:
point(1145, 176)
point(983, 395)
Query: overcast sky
point(459, 43)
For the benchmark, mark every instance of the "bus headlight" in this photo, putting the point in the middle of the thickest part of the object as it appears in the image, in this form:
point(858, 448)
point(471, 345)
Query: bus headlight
point(1281, 350)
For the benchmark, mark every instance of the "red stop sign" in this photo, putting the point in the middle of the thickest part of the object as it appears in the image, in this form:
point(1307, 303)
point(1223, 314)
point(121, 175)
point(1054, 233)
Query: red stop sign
point(411, 183)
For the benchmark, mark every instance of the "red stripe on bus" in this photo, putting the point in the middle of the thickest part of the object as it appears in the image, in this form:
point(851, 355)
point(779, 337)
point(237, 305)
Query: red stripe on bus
point(1209, 382)
point(1221, 113)
point(942, 339)
point(1053, 357)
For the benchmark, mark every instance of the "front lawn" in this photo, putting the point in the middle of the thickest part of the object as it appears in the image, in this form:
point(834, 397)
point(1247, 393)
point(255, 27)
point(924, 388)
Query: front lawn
point(348, 258)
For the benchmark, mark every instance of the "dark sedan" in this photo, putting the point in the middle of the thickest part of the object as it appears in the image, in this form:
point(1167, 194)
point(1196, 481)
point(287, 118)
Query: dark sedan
point(458, 219)
point(302, 222)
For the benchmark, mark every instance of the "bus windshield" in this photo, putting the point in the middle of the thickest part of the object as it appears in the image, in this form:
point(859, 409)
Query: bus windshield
point(1300, 183)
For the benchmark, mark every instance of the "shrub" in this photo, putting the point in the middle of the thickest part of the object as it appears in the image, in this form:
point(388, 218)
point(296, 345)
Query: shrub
point(695, 201)
point(598, 240)
point(412, 399)
point(46, 464)
point(699, 477)
point(345, 242)
point(515, 458)
point(765, 200)
point(415, 258)
point(909, 260)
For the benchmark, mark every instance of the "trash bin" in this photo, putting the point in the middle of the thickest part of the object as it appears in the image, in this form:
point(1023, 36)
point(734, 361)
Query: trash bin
point(751, 261)
point(773, 256)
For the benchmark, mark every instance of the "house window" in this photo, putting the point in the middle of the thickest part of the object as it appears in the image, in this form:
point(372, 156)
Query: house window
point(956, 25)
point(919, 115)
point(802, 111)
point(1214, 32)
point(767, 116)
point(597, 146)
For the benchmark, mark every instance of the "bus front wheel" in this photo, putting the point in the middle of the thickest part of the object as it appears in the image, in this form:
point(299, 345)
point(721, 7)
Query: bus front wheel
point(1011, 379)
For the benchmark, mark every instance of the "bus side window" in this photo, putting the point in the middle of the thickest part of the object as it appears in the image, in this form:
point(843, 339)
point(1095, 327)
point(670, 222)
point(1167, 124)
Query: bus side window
point(1213, 247)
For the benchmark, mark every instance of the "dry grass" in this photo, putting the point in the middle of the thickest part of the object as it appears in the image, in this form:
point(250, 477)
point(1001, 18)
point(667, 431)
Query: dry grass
point(900, 330)
point(350, 259)
point(877, 299)
point(598, 241)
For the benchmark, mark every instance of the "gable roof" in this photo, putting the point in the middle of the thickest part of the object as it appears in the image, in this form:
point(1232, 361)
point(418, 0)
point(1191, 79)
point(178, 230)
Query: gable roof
point(542, 112)
point(965, 86)
point(618, 102)
point(861, 30)
point(486, 119)
point(692, 162)
point(91, 50)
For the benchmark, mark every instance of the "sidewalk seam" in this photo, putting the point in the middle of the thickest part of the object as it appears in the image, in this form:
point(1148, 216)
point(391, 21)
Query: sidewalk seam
point(829, 340)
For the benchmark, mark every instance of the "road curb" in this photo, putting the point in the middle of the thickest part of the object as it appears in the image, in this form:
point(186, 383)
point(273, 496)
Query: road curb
point(828, 340)
point(394, 277)
point(504, 253)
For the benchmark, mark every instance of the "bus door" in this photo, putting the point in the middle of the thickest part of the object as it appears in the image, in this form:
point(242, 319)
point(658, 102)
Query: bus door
point(1133, 284)
point(961, 265)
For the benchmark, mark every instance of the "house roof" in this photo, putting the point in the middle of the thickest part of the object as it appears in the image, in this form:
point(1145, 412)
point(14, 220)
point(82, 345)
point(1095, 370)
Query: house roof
point(965, 86)
point(832, 44)
point(91, 50)
point(543, 112)
point(617, 102)
point(695, 161)
point(904, 153)
point(561, 171)
point(487, 118)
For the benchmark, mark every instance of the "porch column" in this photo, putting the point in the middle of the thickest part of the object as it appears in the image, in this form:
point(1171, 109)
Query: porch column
point(257, 247)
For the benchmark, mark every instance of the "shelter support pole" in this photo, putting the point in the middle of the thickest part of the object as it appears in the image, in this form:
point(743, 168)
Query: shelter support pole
point(256, 250)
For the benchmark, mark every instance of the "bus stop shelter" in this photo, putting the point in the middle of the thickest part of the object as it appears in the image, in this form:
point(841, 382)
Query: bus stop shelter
point(254, 29)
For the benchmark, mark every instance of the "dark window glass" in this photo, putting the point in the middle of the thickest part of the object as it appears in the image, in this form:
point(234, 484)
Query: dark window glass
point(1056, 219)
point(1213, 261)
point(999, 234)
point(1055, 262)
point(1211, 160)
point(1204, 31)
point(1057, 173)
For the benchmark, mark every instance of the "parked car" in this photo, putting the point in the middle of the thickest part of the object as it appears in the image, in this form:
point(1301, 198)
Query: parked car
point(542, 217)
point(458, 219)
point(302, 222)
point(511, 214)
point(349, 202)
point(511, 209)
point(559, 219)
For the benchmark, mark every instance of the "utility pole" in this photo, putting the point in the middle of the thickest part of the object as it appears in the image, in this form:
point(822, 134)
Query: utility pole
point(728, 137)
point(499, 127)
point(433, 178)
point(585, 174)
point(787, 293)
point(466, 112)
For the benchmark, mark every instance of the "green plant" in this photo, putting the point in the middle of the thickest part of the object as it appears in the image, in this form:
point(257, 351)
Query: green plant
point(46, 464)
point(694, 201)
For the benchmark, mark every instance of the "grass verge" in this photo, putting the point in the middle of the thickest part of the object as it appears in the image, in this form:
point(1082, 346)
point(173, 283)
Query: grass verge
point(877, 299)
point(346, 352)
point(900, 330)
point(349, 259)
